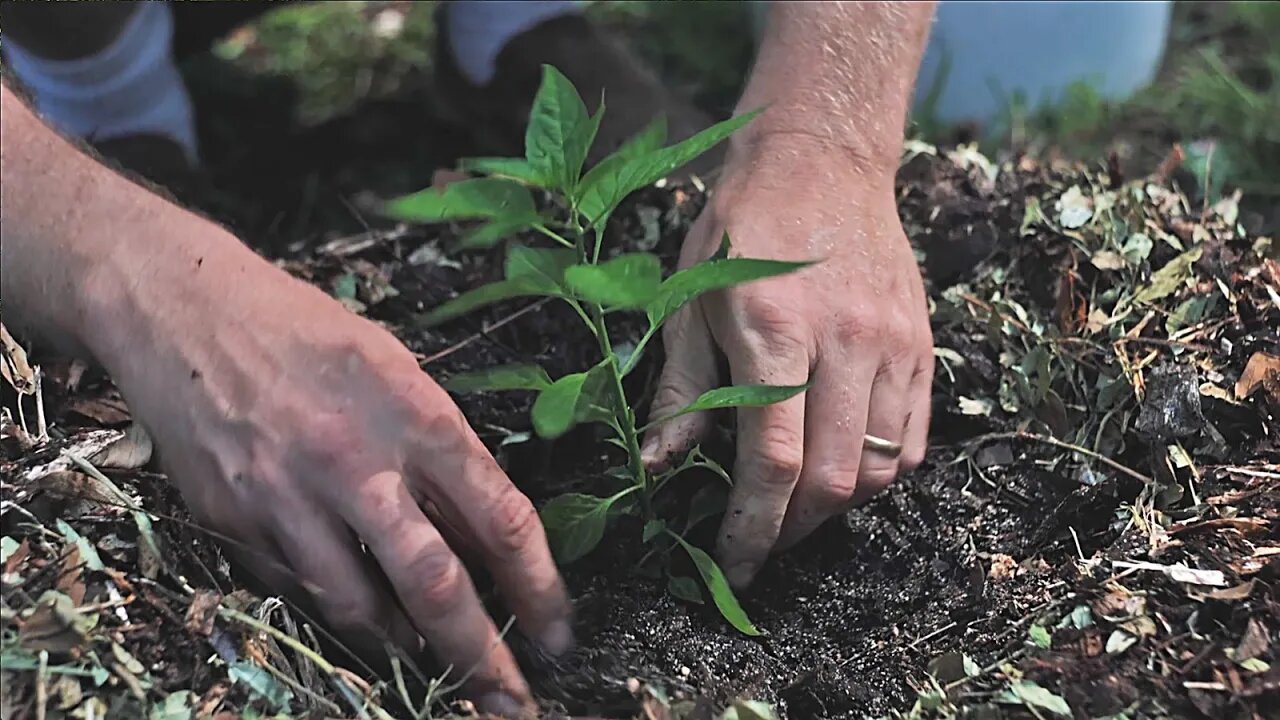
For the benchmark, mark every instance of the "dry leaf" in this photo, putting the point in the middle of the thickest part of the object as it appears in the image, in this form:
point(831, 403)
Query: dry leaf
point(128, 453)
point(203, 610)
point(1239, 592)
point(1003, 568)
point(1108, 260)
point(1254, 643)
point(13, 364)
point(1262, 369)
point(104, 411)
point(75, 485)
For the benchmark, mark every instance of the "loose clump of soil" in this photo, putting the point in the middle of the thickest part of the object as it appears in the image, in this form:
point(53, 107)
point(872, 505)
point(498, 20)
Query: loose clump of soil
point(1093, 532)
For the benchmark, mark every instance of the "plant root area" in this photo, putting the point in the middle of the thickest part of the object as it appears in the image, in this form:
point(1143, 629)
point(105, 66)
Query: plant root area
point(1093, 534)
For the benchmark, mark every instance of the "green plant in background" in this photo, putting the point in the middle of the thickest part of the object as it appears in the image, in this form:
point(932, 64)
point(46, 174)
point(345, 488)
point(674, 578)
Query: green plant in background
point(577, 271)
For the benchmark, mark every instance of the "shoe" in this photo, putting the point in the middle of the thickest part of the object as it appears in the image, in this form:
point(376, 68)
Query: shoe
point(498, 112)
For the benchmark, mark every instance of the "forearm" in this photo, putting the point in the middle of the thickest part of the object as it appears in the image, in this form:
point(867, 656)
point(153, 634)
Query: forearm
point(840, 73)
point(89, 256)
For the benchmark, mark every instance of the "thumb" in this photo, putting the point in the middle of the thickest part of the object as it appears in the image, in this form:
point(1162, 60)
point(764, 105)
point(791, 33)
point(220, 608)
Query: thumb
point(689, 371)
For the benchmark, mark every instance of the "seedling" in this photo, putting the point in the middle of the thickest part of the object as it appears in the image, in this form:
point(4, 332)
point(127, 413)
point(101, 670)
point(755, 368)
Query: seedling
point(576, 271)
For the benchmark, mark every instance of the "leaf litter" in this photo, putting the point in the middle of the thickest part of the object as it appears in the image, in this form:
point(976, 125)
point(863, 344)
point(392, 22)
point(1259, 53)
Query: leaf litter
point(1139, 594)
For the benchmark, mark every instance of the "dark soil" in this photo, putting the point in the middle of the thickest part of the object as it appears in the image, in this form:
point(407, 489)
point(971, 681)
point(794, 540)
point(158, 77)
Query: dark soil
point(997, 531)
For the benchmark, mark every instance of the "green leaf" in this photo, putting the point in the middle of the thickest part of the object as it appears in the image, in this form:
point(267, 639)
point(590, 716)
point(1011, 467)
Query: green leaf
point(737, 396)
point(1041, 636)
point(1028, 693)
point(261, 684)
point(497, 230)
point(555, 410)
point(629, 281)
point(646, 141)
point(541, 267)
point(691, 282)
point(560, 132)
point(476, 299)
point(530, 272)
point(506, 377)
point(478, 198)
point(8, 546)
point(1168, 278)
point(684, 588)
point(721, 593)
point(513, 168)
point(710, 500)
point(176, 706)
point(88, 553)
point(605, 186)
point(653, 528)
point(749, 710)
point(575, 523)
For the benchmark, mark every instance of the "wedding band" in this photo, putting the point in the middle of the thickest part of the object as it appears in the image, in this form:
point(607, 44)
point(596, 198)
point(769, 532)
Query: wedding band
point(880, 445)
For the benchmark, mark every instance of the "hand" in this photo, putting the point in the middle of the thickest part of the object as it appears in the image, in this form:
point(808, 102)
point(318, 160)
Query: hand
point(299, 429)
point(855, 324)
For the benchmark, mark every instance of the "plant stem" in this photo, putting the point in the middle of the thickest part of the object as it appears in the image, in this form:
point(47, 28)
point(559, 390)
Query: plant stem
point(623, 413)
point(625, 417)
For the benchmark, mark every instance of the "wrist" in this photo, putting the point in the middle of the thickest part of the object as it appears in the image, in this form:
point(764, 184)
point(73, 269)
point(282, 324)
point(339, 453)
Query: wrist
point(799, 161)
point(167, 282)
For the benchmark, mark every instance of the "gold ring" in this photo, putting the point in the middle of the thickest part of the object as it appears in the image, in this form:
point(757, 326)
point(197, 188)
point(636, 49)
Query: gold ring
point(880, 445)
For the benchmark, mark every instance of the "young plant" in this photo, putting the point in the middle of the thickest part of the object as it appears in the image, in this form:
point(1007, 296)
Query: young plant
point(575, 271)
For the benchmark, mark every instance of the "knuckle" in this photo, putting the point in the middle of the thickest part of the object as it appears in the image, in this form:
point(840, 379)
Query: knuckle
point(874, 477)
point(911, 458)
point(835, 489)
point(769, 327)
point(515, 523)
point(441, 578)
point(851, 327)
point(347, 610)
point(781, 457)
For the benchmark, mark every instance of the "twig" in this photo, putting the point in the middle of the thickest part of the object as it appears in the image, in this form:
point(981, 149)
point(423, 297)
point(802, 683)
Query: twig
point(299, 647)
point(485, 330)
point(932, 635)
point(1022, 435)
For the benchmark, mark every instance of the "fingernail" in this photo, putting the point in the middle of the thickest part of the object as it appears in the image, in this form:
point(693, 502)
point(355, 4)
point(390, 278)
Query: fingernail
point(502, 704)
point(557, 638)
point(741, 575)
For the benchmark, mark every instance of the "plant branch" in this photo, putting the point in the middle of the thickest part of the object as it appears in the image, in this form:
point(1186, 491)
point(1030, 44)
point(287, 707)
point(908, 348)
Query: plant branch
point(553, 235)
point(1022, 435)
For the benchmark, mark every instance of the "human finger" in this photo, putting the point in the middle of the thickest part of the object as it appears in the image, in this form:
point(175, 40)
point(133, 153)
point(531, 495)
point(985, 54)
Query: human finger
point(436, 592)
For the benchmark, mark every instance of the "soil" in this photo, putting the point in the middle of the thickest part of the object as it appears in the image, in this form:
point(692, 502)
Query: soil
point(998, 531)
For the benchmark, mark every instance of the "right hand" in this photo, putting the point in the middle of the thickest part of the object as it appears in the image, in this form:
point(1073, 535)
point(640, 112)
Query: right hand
point(301, 430)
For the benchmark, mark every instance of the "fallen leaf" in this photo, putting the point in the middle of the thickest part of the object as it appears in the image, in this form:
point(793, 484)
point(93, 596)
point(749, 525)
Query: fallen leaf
point(1028, 693)
point(1119, 642)
point(203, 610)
point(55, 625)
point(13, 364)
point(1118, 604)
point(1168, 278)
point(749, 710)
point(1179, 572)
point(106, 411)
point(1239, 592)
point(130, 452)
point(974, 406)
point(1075, 209)
point(1107, 260)
point(1255, 641)
point(88, 495)
point(1262, 369)
point(1003, 568)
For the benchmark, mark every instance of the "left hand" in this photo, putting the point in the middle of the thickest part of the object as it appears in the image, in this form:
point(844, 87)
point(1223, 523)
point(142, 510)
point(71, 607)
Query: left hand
point(855, 324)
